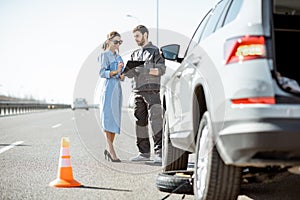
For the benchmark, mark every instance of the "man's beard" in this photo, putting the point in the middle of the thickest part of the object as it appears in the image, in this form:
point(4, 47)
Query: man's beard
point(142, 42)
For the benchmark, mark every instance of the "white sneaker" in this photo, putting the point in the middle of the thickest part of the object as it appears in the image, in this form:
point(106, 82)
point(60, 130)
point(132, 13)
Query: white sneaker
point(141, 157)
point(157, 161)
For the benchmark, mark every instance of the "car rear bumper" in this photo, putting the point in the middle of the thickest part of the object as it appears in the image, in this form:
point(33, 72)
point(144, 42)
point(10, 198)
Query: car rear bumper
point(260, 143)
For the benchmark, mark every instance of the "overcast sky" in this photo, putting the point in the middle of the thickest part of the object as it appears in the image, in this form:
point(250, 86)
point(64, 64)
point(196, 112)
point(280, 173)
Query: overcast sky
point(43, 43)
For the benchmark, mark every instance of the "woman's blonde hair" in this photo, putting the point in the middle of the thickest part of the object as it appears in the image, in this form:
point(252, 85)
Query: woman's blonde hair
point(110, 36)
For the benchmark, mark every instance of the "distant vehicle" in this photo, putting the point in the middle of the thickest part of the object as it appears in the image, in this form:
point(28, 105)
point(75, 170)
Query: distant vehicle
point(80, 103)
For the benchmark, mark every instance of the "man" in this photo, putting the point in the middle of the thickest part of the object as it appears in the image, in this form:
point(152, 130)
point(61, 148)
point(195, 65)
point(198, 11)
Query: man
point(147, 103)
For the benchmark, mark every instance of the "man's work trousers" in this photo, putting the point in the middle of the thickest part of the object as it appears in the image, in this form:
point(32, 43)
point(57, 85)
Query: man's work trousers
point(148, 108)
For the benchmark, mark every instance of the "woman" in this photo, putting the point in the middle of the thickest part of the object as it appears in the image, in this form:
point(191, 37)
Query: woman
point(111, 69)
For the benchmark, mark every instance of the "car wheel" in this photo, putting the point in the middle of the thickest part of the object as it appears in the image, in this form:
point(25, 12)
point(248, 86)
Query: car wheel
point(213, 179)
point(172, 157)
point(176, 182)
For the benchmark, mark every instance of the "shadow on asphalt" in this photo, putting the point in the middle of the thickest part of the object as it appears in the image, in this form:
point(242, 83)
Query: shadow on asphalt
point(137, 163)
point(19, 145)
point(102, 188)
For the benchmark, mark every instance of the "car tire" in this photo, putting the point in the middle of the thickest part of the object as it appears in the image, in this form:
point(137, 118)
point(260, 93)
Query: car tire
point(172, 157)
point(213, 179)
point(171, 182)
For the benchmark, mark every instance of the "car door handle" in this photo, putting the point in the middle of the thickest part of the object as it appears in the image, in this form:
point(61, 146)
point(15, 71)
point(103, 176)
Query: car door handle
point(196, 61)
point(178, 74)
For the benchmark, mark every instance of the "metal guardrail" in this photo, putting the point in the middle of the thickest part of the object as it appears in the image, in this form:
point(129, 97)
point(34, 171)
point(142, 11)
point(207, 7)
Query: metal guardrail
point(15, 108)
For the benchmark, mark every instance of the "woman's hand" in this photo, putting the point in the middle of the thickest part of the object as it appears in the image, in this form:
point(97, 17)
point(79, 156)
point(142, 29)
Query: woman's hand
point(120, 66)
point(115, 72)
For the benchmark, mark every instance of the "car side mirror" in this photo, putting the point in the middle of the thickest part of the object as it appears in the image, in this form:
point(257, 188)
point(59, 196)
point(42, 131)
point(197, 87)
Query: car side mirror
point(170, 52)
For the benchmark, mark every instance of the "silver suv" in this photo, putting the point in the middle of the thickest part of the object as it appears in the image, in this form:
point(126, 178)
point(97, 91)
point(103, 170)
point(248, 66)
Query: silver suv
point(234, 101)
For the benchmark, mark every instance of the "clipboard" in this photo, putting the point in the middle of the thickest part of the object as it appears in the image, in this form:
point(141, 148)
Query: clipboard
point(132, 64)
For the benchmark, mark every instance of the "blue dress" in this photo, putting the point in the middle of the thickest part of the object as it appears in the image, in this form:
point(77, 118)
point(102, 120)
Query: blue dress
point(112, 94)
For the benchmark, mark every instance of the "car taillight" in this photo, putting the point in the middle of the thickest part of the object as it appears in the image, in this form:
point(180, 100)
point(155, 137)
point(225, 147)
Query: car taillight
point(254, 100)
point(244, 48)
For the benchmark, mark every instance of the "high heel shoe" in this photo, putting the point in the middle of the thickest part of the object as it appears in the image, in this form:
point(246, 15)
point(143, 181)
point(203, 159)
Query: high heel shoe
point(109, 158)
point(105, 154)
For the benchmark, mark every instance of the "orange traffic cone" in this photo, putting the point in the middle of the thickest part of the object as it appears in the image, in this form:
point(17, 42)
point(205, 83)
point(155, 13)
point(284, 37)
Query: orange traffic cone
point(65, 174)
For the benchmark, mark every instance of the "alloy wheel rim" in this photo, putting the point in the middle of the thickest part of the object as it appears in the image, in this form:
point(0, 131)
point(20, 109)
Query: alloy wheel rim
point(165, 145)
point(202, 164)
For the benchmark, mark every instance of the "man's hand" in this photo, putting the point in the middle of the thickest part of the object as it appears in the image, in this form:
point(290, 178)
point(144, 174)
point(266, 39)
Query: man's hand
point(122, 77)
point(153, 71)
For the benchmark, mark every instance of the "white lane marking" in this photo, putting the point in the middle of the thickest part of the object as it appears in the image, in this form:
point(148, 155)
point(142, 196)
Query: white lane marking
point(10, 146)
point(56, 126)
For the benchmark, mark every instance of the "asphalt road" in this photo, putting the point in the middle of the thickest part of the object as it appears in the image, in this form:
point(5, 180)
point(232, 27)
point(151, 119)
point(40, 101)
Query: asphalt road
point(27, 168)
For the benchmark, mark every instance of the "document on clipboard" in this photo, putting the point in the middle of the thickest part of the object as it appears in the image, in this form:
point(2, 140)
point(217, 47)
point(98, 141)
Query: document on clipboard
point(132, 64)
